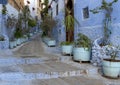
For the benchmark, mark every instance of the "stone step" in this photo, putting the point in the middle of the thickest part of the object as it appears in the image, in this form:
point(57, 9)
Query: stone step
point(62, 81)
point(21, 61)
point(77, 80)
point(30, 60)
point(40, 71)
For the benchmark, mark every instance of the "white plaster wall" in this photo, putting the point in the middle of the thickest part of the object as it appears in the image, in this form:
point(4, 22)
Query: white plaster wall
point(32, 4)
point(12, 10)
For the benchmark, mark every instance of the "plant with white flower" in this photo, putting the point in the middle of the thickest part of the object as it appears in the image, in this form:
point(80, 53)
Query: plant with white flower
point(112, 51)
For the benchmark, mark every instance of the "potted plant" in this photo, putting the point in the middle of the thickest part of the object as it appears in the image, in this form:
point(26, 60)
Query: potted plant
point(18, 34)
point(82, 49)
point(47, 25)
point(111, 66)
point(66, 48)
point(98, 44)
point(67, 45)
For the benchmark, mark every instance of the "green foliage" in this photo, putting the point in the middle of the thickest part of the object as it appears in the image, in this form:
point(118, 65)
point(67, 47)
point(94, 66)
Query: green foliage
point(44, 11)
point(11, 21)
point(69, 24)
point(83, 41)
point(18, 33)
point(66, 43)
point(4, 9)
point(70, 20)
point(2, 38)
point(107, 7)
point(47, 25)
point(32, 22)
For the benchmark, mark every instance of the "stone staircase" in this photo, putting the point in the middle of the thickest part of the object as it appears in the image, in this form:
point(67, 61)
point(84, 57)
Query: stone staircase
point(32, 71)
point(48, 70)
point(36, 68)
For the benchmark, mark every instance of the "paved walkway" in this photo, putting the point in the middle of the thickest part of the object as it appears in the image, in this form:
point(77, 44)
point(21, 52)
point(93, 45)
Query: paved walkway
point(36, 64)
point(34, 48)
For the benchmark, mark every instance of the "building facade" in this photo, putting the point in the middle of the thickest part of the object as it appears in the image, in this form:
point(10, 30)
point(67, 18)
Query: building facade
point(57, 11)
point(92, 24)
point(35, 7)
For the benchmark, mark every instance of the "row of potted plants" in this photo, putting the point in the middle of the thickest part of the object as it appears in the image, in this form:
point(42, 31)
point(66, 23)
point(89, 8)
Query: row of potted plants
point(80, 50)
point(18, 41)
point(107, 53)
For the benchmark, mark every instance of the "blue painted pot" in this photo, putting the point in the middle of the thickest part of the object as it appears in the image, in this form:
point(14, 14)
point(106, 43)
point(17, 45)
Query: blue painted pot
point(111, 68)
point(81, 54)
point(67, 49)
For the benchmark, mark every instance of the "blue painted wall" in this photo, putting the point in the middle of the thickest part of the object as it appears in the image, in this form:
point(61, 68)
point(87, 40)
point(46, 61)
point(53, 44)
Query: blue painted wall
point(93, 26)
point(59, 32)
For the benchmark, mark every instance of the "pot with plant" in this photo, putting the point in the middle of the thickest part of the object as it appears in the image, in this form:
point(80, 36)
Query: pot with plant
point(18, 35)
point(111, 66)
point(47, 26)
point(82, 49)
point(67, 45)
point(66, 48)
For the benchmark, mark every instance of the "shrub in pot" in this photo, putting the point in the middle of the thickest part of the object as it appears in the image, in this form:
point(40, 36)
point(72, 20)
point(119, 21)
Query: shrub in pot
point(111, 66)
point(66, 48)
point(2, 38)
point(82, 49)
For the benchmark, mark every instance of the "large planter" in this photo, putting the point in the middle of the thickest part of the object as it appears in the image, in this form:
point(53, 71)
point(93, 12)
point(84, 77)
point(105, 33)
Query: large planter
point(18, 41)
point(111, 68)
point(81, 54)
point(50, 42)
point(4, 44)
point(67, 49)
point(12, 44)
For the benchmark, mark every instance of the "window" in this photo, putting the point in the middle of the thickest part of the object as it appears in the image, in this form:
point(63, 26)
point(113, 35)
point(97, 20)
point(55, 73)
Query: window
point(86, 13)
point(57, 9)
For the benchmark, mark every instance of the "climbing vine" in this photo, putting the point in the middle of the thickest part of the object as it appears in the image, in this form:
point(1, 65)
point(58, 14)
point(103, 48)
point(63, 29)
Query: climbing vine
point(107, 8)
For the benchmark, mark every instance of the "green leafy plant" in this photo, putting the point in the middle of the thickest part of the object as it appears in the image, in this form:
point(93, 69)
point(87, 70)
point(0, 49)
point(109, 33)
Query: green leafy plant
point(11, 21)
point(47, 25)
point(112, 51)
point(4, 9)
point(83, 41)
point(26, 15)
point(18, 33)
point(44, 11)
point(32, 22)
point(107, 7)
point(2, 38)
point(66, 43)
point(69, 24)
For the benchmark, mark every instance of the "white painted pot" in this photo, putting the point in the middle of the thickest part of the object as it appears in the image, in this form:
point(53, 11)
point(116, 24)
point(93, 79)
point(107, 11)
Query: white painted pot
point(51, 43)
point(111, 68)
point(12, 44)
point(66, 49)
point(81, 54)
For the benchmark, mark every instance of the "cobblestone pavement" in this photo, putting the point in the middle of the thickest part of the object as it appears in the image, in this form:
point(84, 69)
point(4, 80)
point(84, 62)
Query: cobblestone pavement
point(33, 63)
